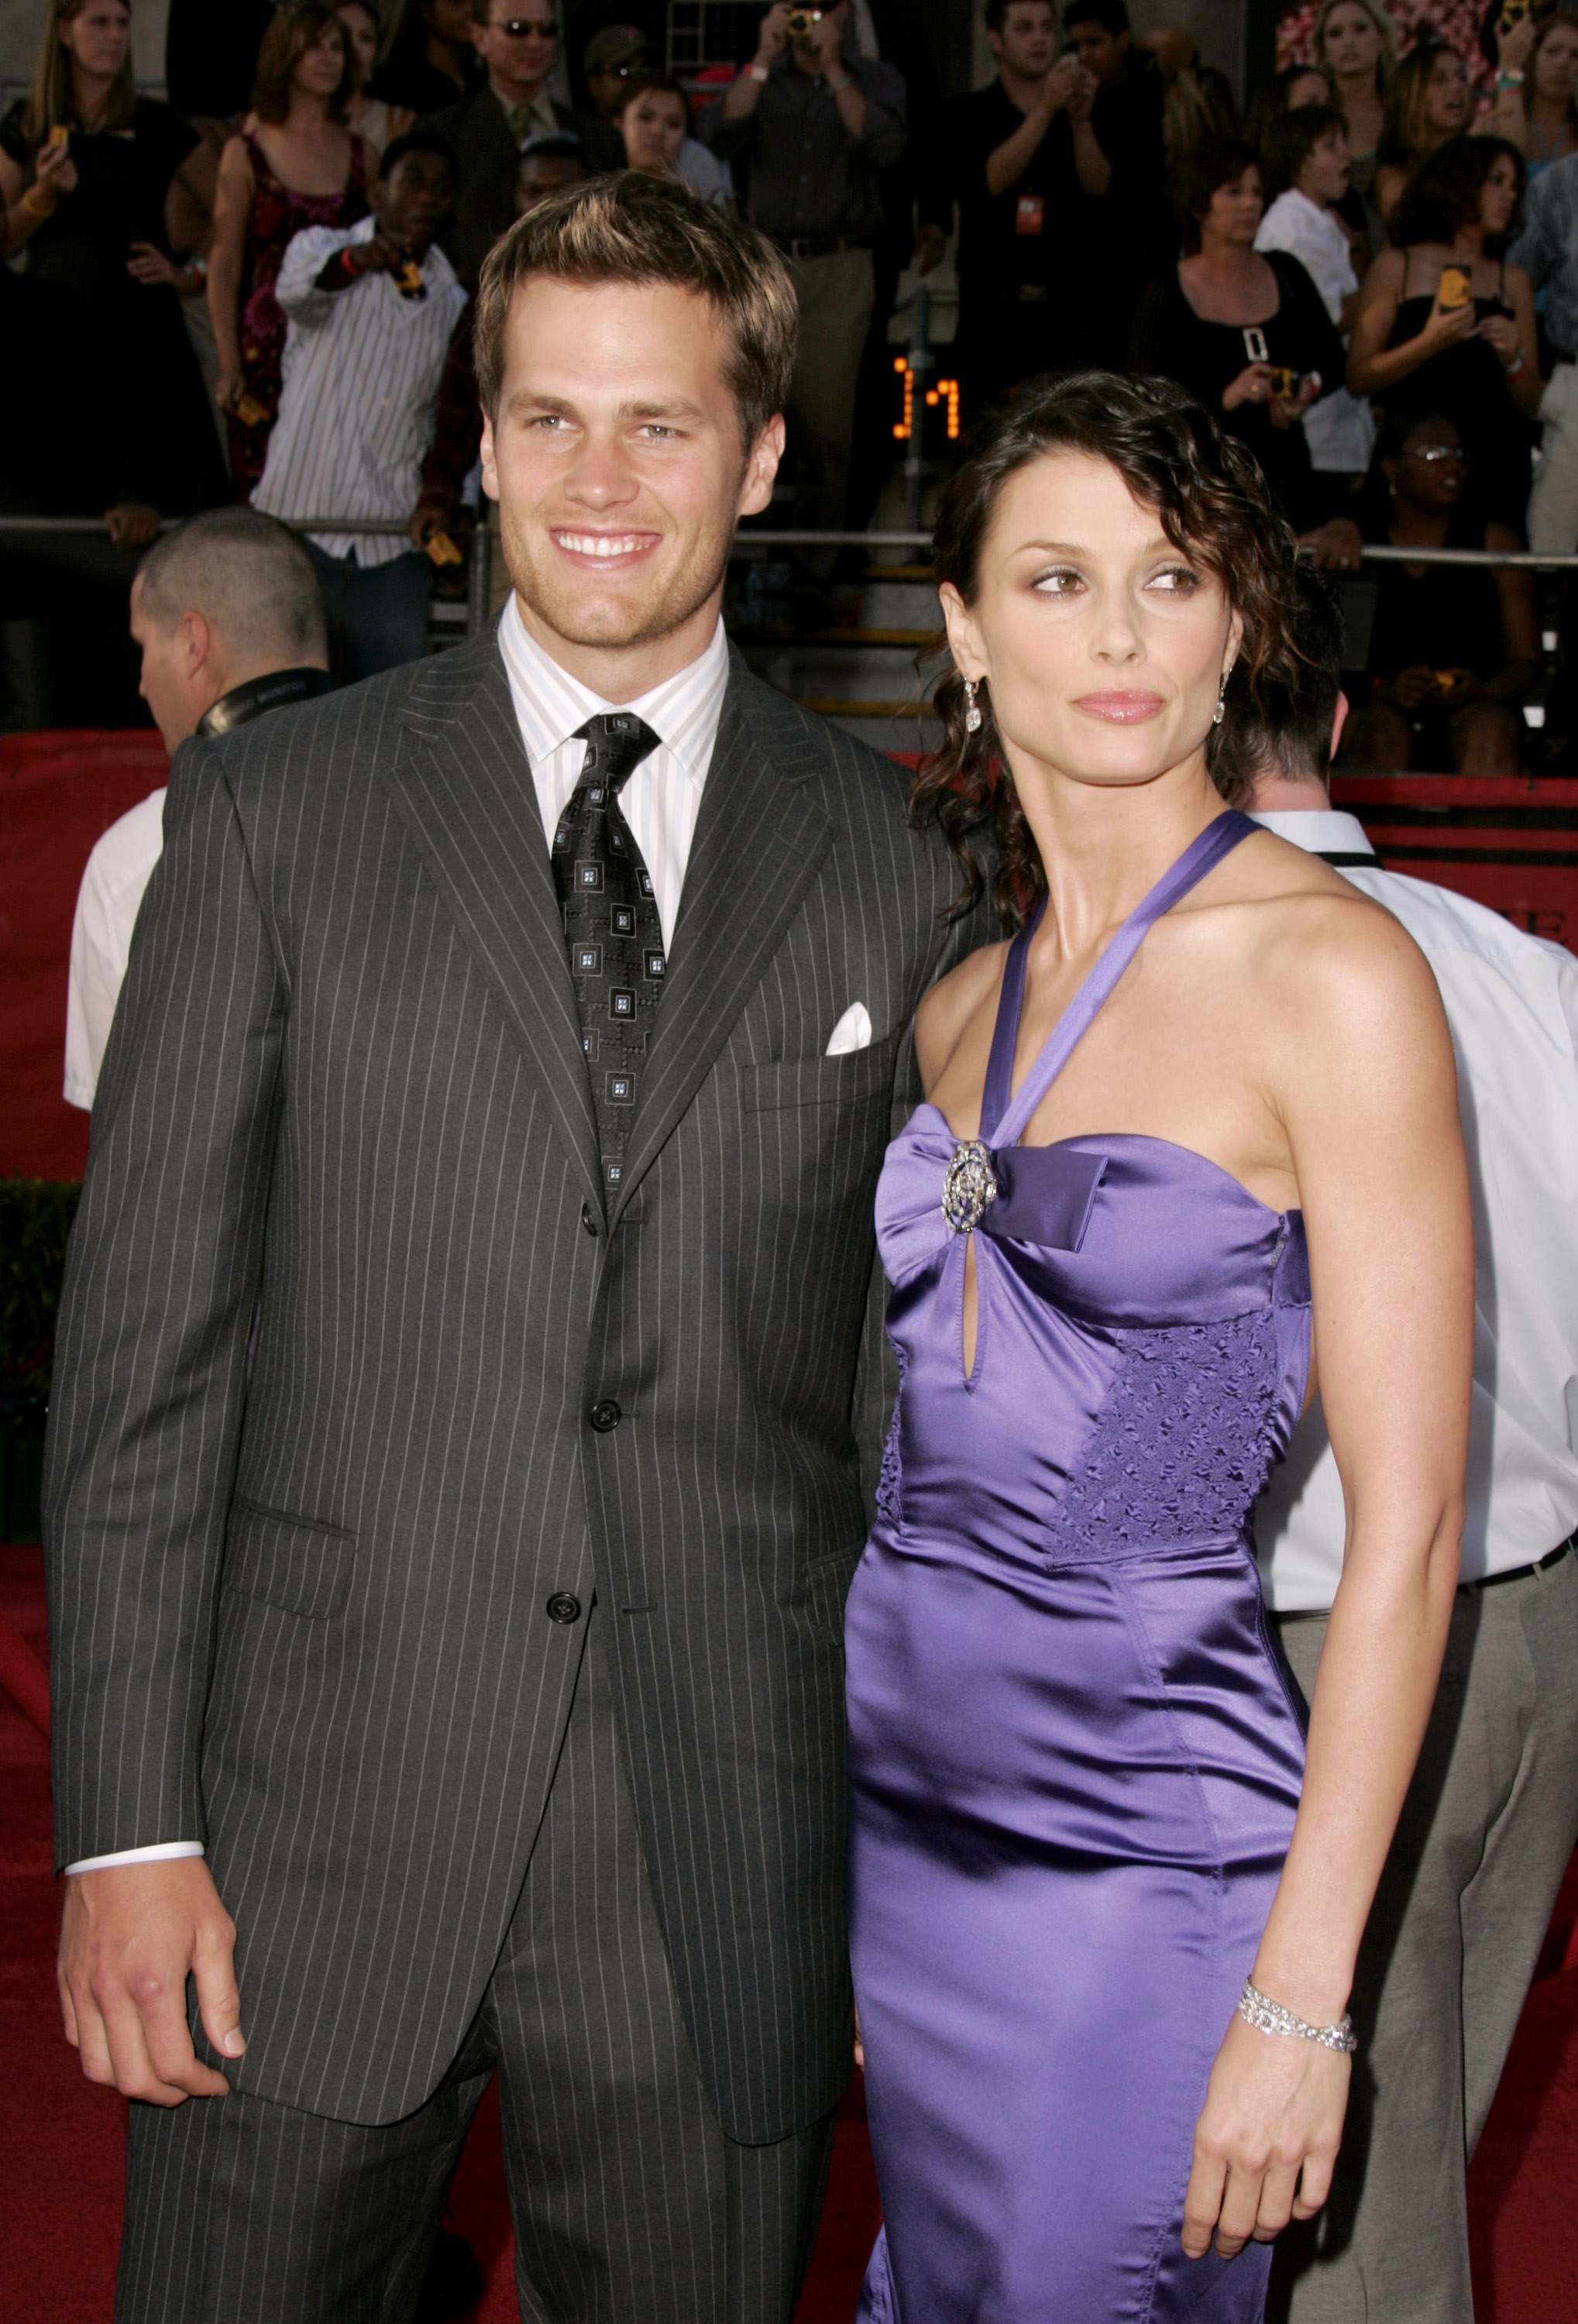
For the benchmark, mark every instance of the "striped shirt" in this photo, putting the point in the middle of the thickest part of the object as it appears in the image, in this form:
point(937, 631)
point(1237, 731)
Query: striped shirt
point(1548, 249)
point(662, 798)
point(361, 377)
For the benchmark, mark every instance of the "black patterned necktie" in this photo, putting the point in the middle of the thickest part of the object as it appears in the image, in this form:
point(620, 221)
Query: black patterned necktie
point(611, 926)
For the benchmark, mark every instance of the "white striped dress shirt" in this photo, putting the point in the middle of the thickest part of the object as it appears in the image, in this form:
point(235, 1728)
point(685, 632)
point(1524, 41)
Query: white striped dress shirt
point(662, 798)
point(361, 377)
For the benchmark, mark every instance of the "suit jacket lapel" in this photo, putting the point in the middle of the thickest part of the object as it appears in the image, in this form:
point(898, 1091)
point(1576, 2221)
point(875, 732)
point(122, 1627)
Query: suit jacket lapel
point(760, 840)
point(462, 786)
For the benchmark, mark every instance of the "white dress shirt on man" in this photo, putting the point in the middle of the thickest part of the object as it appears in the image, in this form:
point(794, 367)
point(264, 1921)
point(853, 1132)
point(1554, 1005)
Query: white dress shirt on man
point(662, 798)
point(1511, 1002)
point(118, 870)
point(1339, 429)
point(360, 379)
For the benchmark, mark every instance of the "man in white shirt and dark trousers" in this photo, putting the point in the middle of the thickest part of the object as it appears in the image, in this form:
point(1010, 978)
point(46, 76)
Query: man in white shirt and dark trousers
point(372, 309)
point(229, 618)
point(1491, 1816)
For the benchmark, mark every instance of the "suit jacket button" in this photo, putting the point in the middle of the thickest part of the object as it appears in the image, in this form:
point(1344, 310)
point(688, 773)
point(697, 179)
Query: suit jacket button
point(589, 1219)
point(605, 1414)
point(562, 1607)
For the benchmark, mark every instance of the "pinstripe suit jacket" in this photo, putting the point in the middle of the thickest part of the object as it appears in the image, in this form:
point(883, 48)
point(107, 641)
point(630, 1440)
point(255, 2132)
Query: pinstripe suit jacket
point(340, 1297)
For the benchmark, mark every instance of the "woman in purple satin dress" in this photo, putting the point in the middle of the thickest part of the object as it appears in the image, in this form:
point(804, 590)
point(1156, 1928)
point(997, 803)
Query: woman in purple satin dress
point(1195, 1120)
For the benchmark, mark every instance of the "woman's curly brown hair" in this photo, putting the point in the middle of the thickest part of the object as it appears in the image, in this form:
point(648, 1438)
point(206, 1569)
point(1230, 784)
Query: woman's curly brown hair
point(1211, 499)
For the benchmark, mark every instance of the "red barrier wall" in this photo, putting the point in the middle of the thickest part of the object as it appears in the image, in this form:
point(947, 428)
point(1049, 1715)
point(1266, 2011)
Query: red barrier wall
point(1513, 844)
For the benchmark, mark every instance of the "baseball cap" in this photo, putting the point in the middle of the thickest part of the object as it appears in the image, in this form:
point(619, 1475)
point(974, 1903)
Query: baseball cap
point(615, 45)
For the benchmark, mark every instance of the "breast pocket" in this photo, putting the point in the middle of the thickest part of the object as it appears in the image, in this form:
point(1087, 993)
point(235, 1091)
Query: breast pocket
point(821, 1081)
point(293, 1562)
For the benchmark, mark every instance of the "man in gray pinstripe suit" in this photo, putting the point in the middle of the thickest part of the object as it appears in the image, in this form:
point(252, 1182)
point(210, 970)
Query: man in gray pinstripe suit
point(453, 1481)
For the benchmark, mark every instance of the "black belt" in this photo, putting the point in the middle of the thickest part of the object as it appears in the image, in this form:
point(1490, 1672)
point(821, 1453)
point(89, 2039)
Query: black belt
point(818, 245)
point(1541, 1565)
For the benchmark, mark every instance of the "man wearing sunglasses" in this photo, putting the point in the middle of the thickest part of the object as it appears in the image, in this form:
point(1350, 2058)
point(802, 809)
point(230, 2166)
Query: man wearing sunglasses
point(517, 41)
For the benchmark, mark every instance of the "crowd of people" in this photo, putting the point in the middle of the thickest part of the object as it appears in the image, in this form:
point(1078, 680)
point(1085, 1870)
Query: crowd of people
point(1389, 242)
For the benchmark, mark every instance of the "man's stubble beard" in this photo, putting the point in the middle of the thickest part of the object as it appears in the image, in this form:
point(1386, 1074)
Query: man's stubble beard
point(674, 600)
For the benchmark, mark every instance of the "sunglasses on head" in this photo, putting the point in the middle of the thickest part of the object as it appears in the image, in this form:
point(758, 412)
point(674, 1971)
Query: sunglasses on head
point(522, 28)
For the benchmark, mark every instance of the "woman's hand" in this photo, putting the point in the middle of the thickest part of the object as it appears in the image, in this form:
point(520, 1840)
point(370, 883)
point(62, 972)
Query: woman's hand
point(54, 174)
point(1253, 385)
point(1266, 2141)
point(1287, 410)
point(1448, 326)
point(1512, 47)
point(1500, 332)
point(228, 387)
point(150, 264)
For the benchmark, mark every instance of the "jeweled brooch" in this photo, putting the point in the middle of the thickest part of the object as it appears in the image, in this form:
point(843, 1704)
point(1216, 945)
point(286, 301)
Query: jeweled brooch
point(969, 1187)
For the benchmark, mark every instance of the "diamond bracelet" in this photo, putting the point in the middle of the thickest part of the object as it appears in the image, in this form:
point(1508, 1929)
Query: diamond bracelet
point(1268, 2016)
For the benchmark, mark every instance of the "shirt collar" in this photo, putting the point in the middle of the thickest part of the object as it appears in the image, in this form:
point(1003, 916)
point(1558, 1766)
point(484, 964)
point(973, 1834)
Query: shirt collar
point(1319, 831)
point(683, 711)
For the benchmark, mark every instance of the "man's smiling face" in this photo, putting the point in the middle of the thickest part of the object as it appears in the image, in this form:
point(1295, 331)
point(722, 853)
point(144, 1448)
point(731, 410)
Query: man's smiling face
point(617, 460)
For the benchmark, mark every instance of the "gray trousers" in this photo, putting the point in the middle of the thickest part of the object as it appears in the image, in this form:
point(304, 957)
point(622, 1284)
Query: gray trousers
point(630, 2205)
point(1489, 1824)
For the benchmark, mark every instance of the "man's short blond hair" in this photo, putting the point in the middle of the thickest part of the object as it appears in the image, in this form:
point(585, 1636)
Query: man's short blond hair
point(640, 229)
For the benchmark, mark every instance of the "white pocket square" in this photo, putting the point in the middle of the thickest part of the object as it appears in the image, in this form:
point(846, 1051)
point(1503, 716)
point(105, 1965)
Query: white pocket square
point(853, 1031)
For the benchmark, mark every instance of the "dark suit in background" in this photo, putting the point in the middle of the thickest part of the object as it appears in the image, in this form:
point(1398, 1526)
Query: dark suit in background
point(489, 162)
point(362, 1401)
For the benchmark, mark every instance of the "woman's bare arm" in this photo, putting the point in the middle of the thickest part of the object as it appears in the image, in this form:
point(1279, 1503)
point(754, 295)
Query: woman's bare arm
point(1365, 1085)
point(233, 198)
point(1372, 365)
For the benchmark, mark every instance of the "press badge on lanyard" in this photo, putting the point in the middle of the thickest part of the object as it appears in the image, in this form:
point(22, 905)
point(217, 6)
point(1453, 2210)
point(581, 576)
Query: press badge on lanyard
point(1030, 214)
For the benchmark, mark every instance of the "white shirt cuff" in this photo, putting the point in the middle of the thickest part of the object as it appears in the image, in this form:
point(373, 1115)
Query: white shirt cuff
point(163, 1851)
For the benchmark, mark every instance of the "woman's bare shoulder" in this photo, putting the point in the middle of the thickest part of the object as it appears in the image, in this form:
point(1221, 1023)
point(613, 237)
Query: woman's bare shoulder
point(1326, 957)
point(947, 1011)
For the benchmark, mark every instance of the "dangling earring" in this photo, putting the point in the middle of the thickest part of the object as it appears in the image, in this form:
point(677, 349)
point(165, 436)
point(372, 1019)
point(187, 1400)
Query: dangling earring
point(972, 709)
point(1219, 713)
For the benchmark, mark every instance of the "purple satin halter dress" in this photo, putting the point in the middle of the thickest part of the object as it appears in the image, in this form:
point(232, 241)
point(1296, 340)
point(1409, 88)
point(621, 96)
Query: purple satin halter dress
point(1075, 1756)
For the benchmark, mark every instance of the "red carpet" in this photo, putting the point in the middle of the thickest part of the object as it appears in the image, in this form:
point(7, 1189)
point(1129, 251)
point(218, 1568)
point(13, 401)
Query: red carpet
point(61, 2142)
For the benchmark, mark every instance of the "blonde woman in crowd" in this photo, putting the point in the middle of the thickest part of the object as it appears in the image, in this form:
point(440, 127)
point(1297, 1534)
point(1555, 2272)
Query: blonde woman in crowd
point(1430, 101)
point(1356, 44)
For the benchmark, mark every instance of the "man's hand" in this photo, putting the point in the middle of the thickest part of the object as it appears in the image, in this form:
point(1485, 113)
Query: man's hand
point(1065, 78)
point(773, 36)
point(131, 524)
point(377, 256)
point(129, 1935)
point(1082, 95)
point(425, 519)
point(822, 45)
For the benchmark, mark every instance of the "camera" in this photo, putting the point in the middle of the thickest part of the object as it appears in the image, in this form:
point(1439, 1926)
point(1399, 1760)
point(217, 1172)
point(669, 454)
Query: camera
point(802, 20)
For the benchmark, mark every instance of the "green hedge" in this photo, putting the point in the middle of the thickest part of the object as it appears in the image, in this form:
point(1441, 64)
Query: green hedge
point(35, 1219)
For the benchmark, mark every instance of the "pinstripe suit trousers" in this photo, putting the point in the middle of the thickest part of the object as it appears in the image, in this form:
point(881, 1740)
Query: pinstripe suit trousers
point(631, 2204)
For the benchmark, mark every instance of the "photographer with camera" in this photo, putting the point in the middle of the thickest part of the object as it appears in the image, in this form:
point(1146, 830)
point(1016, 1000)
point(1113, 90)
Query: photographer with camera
point(818, 122)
